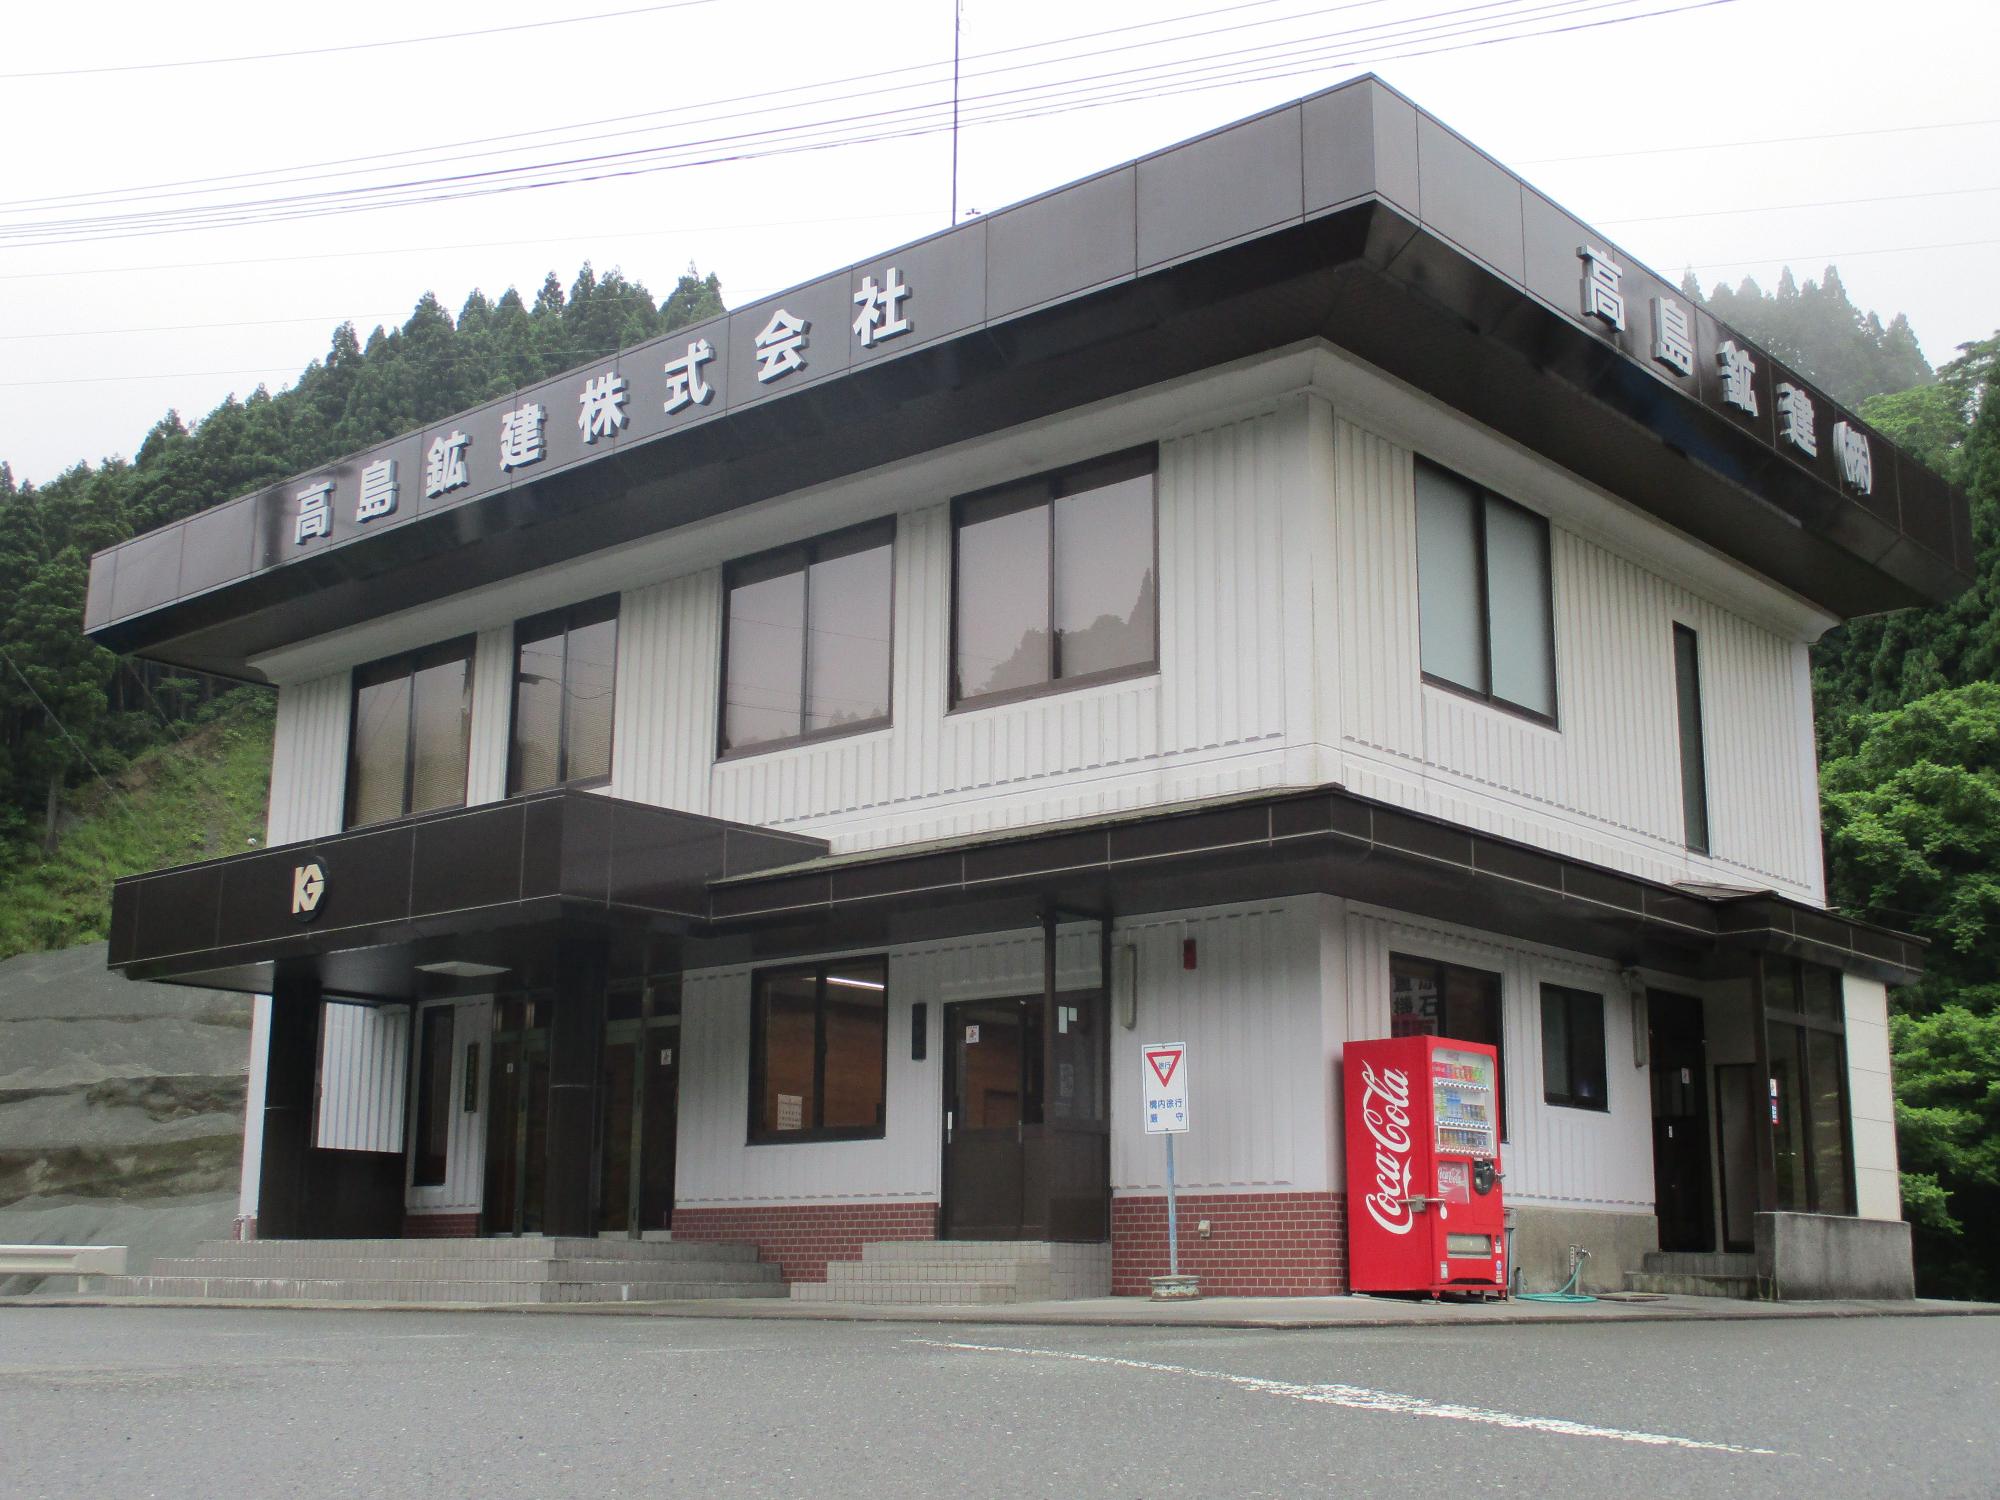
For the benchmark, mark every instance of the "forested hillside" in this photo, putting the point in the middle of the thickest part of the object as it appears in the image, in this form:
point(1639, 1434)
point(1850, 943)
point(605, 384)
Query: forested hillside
point(1909, 704)
point(72, 713)
point(1908, 707)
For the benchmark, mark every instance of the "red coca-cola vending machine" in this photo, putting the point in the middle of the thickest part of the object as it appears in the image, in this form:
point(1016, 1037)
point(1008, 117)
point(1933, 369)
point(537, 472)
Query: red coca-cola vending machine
point(1423, 1167)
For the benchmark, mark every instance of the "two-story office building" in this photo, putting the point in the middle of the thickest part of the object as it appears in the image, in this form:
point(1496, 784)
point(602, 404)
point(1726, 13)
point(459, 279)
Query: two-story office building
point(1298, 586)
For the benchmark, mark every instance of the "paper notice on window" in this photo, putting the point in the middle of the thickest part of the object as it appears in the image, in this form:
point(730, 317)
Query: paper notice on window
point(791, 1111)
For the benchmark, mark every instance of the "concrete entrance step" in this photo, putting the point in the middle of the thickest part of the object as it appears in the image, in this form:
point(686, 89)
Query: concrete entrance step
point(1689, 1273)
point(527, 1247)
point(309, 1289)
point(963, 1273)
point(459, 1270)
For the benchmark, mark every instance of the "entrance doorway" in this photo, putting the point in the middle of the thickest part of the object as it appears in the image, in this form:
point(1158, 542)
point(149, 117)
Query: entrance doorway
point(1026, 1139)
point(517, 1130)
point(1677, 1045)
point(639, 1112)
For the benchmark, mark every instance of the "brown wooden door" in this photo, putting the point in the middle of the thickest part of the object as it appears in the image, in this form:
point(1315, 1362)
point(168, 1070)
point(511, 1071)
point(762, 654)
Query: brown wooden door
point(1679, 1053)
point(517, 1133)
point(993, 1099)
point(1027, 1147)
point(659, 1126)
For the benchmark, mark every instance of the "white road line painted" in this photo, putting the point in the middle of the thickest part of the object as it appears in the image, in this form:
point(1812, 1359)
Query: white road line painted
point(1361, 1398)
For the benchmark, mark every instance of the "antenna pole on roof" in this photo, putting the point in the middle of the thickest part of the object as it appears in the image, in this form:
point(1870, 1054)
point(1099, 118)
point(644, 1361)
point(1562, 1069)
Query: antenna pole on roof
point(957, 20)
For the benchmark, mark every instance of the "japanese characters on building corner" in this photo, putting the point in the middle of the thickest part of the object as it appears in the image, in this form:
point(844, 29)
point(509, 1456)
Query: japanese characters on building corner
point(780, 348)
point(1673, 345)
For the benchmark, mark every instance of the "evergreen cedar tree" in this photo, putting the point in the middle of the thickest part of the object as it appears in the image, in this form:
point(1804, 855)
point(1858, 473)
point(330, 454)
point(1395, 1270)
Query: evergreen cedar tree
point(1908, 704)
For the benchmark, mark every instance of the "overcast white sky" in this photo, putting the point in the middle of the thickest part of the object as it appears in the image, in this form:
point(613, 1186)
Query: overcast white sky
point(1878, 149)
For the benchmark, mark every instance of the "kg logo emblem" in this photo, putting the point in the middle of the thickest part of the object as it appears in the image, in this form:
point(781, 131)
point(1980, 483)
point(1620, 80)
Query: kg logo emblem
point(308, 889)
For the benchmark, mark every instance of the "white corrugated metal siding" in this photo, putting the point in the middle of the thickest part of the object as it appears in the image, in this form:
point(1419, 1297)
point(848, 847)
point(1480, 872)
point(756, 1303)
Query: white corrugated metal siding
point(1211, 721)
point(309, 760)
point(1604, 783)
point(364, 1071)
point(492, 715)
point(1250, 1012)
point(1553, 1155)
point(1871, 1100)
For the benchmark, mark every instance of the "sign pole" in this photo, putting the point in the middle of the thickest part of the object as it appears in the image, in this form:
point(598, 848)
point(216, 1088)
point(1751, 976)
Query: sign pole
point(1164, 1076)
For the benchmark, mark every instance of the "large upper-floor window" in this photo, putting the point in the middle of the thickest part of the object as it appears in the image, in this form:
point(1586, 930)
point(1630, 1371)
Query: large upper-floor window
point(806, 649)
point(819, 1051)
point(564, 664)
point(411, 727)
point(1485, 620)
point(1056, 580)
point(1428, 998)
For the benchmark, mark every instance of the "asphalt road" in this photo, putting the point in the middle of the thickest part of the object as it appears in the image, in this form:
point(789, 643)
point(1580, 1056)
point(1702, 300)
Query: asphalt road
point(205, 1403)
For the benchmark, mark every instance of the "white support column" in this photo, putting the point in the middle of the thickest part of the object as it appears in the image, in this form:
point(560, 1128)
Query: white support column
point(1871, 1100)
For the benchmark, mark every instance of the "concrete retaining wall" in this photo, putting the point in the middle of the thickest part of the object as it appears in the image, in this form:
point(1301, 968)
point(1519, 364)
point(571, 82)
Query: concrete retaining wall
point(1811, 1257)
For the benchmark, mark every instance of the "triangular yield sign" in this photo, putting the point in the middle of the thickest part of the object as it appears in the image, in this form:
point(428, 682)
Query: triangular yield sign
point(1164, 1062)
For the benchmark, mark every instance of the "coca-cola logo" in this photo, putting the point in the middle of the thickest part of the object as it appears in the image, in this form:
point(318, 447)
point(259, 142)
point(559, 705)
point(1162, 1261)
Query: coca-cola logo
point(1385, 1110)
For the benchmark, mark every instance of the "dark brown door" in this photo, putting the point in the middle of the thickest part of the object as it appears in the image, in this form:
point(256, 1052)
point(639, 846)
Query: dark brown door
point(616, 1094)
point(517, 1133)
point(1679, 1052)
point(993, 1100)
point(1736, 1130)
point(1027, 1146)
point(659, 1122)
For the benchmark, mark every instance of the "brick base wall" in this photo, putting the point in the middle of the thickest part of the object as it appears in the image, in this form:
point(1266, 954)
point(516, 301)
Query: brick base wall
point(1258, 1245)
point(800, 1238)
point(440, 1226)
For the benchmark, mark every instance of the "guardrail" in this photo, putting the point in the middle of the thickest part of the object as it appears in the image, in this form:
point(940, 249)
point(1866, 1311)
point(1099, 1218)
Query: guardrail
point(79, 1261)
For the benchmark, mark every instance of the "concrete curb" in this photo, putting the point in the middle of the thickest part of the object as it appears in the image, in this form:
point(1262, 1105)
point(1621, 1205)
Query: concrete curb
point(1364, 1313)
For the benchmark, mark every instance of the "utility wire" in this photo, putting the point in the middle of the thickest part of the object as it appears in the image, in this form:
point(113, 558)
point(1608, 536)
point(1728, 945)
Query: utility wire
point(1409, 25)
point(63, 730)
point(408, 41)
point(1028, 102)
point(767, 96)
point(1776, 208)
point(1771, 140)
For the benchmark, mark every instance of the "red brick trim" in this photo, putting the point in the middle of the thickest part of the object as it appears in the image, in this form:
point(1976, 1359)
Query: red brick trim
point(440, 1226)
point(802, 1237)
point(1259, 1244)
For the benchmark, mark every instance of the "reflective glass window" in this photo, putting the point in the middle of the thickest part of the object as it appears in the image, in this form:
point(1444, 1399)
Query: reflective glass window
point(410, 734)
point(1056, 580)
point(1485, 617)
point(1573, 1071)
point(807, 650)
point(1694, 771)
point(819, 1051)
point(564, 670)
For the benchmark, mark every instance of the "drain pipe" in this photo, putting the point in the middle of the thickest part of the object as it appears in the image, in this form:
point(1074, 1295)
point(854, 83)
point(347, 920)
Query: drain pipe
point(1513, 1266)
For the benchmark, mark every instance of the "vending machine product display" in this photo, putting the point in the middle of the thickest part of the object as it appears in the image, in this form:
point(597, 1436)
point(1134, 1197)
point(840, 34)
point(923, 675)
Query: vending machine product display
point(1423, 1167)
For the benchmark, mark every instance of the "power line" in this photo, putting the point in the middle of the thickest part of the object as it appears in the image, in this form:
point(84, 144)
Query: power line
point(582, 236)
point(767, 96)
point(1776, 208)
point(1033, 101)
point(98, 333)
point(765, 108)
point(1827, 257)
point(63, 730)
point(1773, 140)
point(410, 41)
